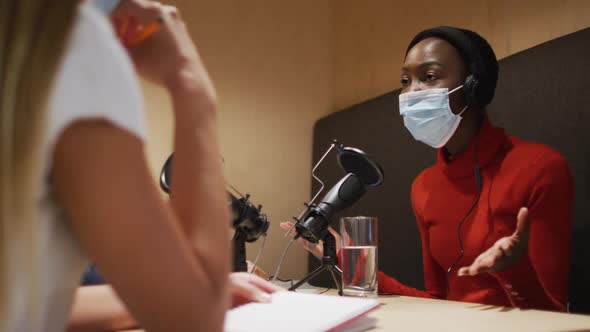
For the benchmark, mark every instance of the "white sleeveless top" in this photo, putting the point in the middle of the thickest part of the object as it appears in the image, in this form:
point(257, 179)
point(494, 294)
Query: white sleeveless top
point(96, 80)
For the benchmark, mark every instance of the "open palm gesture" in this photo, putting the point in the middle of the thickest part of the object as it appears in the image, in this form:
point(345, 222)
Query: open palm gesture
point(506, 252)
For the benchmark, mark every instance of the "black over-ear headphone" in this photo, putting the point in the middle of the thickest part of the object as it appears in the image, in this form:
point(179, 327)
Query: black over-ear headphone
point(477, 90)
point(471, 90)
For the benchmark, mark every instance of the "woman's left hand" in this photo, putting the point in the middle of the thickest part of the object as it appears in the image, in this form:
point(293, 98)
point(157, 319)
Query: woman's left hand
point(505, 252)
point(246, 288)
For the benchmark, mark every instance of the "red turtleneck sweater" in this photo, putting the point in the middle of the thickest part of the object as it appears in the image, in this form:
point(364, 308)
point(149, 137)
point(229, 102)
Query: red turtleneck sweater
point(515, 173)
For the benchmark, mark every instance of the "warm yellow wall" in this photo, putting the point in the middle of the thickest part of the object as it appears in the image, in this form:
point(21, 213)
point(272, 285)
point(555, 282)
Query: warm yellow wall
point(280, 65)
point(372, 35)
point(271, 62)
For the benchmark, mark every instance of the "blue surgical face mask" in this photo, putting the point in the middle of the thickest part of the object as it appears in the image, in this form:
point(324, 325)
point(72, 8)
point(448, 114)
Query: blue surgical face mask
point(106, 6)
point(427, 115)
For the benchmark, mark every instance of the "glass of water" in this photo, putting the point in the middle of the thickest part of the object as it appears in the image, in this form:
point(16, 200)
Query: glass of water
point(359, 256)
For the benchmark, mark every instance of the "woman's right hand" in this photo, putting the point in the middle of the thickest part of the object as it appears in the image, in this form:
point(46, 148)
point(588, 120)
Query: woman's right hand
point(169, 56)
point(317, 249)
point(246, 287)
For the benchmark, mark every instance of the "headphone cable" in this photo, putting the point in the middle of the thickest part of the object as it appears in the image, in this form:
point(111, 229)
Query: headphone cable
point(478, 180)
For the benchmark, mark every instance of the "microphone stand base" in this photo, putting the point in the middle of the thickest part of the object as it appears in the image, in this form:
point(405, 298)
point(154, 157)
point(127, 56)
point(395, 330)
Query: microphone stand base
point(329, 263)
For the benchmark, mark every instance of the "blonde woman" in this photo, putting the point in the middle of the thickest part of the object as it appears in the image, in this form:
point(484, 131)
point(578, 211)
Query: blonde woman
point(74, 179)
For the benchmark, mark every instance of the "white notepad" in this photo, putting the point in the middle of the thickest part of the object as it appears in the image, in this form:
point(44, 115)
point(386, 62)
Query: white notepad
point(290, 311)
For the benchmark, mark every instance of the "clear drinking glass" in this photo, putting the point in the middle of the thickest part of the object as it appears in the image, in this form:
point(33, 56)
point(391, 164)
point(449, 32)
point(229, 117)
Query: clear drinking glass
point(359, 256)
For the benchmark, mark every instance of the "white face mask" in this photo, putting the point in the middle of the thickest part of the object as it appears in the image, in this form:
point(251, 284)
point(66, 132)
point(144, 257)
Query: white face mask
point(428, 116)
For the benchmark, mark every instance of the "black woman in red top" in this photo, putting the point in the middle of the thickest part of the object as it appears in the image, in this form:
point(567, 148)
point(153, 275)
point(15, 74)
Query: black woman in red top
point(494, 211)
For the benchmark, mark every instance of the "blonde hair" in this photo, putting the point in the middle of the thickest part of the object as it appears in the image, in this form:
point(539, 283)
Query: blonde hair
point(33, 36)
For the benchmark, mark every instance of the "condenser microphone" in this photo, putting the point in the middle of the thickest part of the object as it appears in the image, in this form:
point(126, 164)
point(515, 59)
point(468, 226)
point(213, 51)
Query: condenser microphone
point(362, 172)
point(248, 220)
point(317, 219)
point(246, 217)
point(313, 224)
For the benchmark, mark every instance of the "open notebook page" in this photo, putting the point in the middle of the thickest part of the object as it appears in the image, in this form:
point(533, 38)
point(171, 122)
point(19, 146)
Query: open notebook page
point(290, 311)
